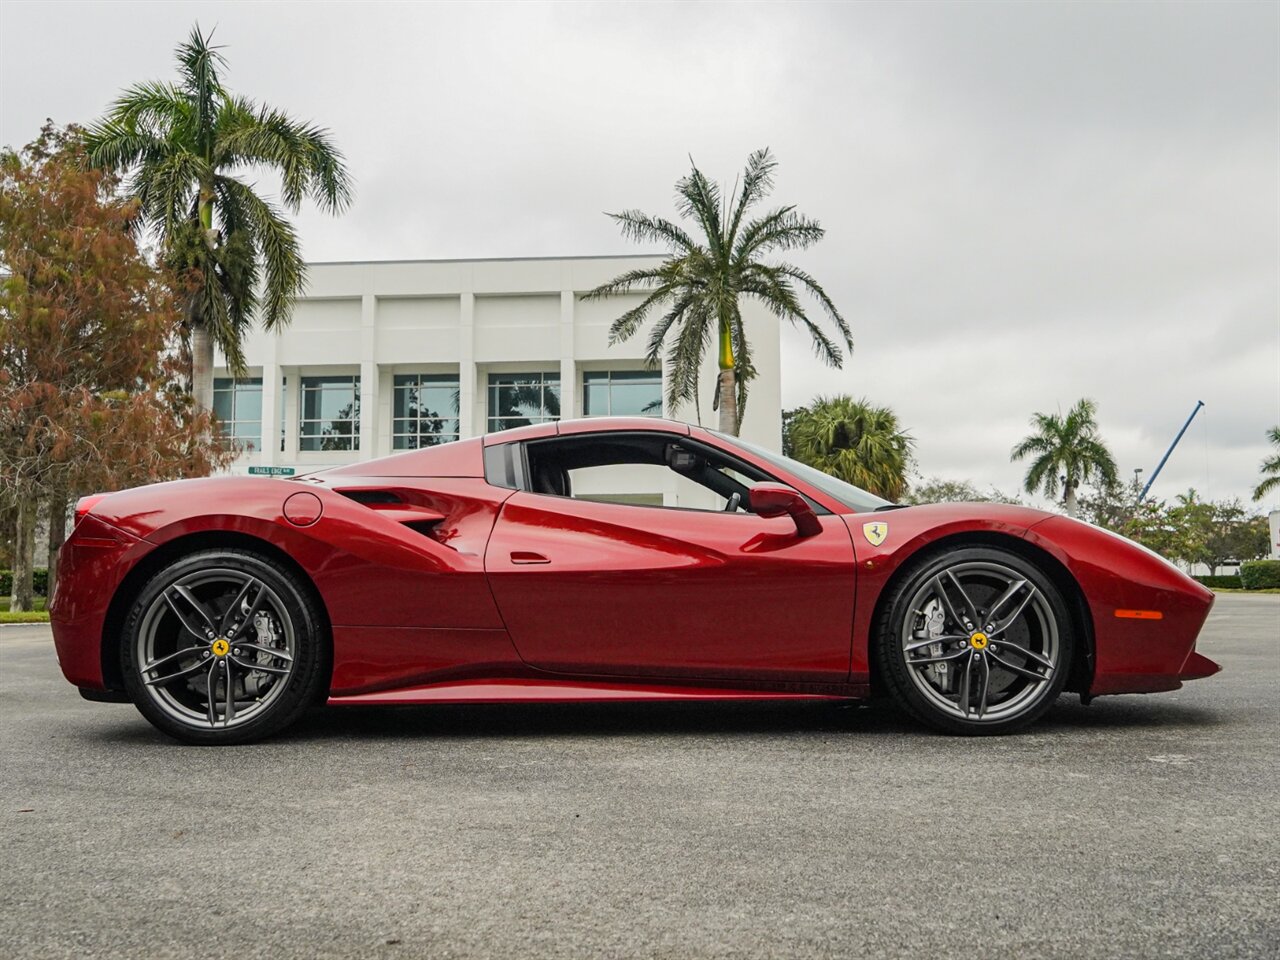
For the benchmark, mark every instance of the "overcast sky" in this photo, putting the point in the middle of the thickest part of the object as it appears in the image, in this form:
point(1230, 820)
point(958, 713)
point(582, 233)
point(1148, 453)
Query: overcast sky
point(1025, 203)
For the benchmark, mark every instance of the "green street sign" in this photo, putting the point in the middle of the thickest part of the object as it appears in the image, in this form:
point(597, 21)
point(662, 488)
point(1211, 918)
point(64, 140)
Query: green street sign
point(271, 471)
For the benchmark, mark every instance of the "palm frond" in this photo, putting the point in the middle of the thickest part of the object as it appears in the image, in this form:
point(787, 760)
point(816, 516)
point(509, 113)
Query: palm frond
point(642, 228)
point(697, 198)
point(308, 161)
point(757, 181)
point(198, 65)
point(284, 271)
point(780, 229)
point(819, 294)
point(626, 282)
point(626, 325)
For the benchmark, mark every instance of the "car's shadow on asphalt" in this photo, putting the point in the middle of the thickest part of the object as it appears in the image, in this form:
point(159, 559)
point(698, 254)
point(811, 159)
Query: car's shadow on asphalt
point(699, 719)
point(622, 720)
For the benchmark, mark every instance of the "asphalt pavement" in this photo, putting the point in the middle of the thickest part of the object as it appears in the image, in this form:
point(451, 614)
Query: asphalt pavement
point(1141, 826)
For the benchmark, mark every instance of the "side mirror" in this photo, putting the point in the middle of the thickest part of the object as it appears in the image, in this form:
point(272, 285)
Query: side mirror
point(776, 499)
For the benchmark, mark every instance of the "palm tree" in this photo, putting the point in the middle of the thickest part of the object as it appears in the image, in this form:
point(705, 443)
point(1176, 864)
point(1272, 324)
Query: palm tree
point(1270, 467)
point(1067, 451)
point(188, 146)
point(700, 285)
point(851, 439)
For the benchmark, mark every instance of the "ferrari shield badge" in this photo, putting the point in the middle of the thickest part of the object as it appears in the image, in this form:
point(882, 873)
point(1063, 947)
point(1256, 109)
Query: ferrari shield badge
point(875, 532)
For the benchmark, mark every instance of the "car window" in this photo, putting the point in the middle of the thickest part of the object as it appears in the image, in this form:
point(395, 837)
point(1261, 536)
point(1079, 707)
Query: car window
point(640, 469)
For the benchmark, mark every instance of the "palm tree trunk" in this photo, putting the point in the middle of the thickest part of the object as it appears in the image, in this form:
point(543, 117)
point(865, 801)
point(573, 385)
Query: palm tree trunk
point(24, 554)
point(57, 533)
point(202, 366)
point(1070, 500)
point(728, 402)
point(728, 383)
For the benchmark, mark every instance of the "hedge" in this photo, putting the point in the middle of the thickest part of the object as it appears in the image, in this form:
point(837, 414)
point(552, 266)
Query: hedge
point(1260, 574)
point(1231, 582)
point(40, 579)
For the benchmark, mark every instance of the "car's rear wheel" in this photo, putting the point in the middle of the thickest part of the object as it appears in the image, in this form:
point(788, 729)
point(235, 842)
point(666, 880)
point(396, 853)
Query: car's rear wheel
point(975, 640)
point(223, 646)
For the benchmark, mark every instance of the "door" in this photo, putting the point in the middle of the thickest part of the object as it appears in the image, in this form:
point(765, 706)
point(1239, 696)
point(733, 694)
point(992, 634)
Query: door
point(609, 588)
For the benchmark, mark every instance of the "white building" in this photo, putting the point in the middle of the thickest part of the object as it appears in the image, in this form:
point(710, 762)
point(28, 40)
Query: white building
point(388, 356)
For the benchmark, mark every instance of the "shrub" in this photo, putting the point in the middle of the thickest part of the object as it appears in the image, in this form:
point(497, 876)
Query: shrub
point(40, 579)
point(1231, 582)
point(1260, 574)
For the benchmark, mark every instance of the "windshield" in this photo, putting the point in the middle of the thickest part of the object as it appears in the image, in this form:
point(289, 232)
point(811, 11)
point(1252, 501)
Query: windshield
point(853, 497)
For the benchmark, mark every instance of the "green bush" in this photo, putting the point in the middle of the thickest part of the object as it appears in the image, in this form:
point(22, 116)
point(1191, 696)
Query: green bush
point(40, 579)
point(1231, 582)
point(1260, 574)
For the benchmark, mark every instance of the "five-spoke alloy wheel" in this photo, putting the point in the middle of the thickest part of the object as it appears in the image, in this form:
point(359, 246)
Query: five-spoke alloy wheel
point(223, 646)
point(975, 640)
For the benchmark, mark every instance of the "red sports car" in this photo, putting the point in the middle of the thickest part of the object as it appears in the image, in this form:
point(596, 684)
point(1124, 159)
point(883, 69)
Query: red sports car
point(225, 607)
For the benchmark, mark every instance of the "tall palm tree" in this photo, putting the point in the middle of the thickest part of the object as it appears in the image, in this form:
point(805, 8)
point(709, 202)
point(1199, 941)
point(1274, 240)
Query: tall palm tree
point(1270, 467)
point(1067, 451)
point(187, 147)
point(856, 441)
point(701, 284)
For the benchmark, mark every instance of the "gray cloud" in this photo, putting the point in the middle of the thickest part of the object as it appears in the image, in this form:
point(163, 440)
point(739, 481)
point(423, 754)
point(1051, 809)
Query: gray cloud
point(1025, 203)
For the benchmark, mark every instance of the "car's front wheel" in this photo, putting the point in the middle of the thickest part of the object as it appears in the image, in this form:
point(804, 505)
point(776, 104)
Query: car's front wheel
point(223, 646)
point(975, 640)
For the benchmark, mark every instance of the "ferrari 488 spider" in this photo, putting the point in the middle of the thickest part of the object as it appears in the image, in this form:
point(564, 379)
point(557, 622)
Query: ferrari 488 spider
point(489, 570)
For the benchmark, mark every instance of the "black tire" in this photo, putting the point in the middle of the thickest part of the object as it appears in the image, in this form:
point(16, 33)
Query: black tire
point(265, 661)
point(1014, 674)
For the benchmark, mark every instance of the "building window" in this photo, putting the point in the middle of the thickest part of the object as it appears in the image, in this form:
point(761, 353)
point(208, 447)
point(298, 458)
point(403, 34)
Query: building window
point(622, 393)
point(330, 413)
point(238, 406)
point(519, 399)
point(425, 410)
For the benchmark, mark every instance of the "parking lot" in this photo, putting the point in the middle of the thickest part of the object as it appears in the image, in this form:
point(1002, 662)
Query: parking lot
point(1136, 827)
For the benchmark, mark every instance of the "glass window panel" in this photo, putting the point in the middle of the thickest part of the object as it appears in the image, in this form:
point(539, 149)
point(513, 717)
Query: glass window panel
point(405, 400)
point(222, 404)
point(518, 399)
point(506, 423)
point(635, 399)
point(249, 404)
point(335, 403)
point(439, 400)
point(595, 400)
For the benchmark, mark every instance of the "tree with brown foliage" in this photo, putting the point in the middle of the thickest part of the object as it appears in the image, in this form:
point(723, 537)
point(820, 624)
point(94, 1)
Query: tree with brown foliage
point(90, 397)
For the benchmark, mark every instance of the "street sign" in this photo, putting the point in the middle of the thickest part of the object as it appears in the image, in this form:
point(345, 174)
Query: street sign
point(271, 471)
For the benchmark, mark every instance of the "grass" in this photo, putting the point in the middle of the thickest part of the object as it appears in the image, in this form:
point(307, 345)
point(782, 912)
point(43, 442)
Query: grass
point(38, 615)
point(30, 616)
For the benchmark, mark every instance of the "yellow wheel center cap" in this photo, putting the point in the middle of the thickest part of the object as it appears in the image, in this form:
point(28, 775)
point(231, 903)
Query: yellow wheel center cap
point(978, 641)
point(220, 647)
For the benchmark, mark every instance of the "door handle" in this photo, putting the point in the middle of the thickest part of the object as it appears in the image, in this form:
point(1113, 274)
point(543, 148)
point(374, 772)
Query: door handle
point(528, 556)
